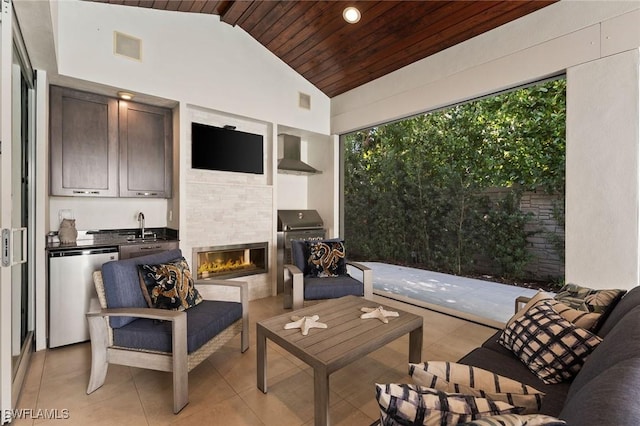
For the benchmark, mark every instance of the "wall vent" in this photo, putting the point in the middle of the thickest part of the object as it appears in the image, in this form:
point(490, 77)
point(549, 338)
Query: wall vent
point(126, 45)
point(304, 101)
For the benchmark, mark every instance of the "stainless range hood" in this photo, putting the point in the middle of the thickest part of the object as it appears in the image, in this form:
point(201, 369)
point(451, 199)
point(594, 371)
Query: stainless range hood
point(290, 162)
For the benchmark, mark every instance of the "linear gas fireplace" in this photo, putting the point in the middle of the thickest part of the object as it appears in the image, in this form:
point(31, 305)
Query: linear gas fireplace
point(230, 261)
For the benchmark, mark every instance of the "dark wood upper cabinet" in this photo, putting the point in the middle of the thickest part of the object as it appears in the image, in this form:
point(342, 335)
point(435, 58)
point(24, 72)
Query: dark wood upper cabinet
point(102, 147)
point(84, 144)
point(145, 150)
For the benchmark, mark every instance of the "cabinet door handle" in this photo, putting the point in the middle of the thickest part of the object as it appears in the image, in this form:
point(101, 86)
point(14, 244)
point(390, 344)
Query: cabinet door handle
point(149, 247)
point(147, 194)
point(87, 192)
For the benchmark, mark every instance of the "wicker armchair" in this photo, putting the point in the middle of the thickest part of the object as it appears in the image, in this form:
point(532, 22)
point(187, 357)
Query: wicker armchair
point(125, 331)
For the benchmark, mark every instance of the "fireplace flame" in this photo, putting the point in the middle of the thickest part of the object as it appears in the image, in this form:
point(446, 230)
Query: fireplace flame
point(217, 267)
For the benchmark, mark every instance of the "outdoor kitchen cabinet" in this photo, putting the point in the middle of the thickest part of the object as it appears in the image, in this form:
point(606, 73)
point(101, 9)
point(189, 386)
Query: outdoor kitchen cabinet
point(145, 150)
point(142, 249)
point(84, 144)
point(105, 147)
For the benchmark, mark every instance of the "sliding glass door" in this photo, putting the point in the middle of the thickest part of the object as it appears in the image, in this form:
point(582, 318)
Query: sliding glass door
point(16, 205)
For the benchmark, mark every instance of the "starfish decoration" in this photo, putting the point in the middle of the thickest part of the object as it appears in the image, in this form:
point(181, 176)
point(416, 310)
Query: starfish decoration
point(379, 313)
point(305, 323)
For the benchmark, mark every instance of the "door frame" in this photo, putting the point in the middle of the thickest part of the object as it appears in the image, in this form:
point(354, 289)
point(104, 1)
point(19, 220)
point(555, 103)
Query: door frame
point(6, 70)
point(15, 360)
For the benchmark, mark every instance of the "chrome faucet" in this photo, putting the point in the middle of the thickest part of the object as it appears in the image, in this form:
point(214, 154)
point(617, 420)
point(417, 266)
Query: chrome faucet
point(141, 222)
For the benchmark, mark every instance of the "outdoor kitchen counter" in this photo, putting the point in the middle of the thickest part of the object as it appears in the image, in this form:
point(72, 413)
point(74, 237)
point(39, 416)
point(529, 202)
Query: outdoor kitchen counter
point(110, 238)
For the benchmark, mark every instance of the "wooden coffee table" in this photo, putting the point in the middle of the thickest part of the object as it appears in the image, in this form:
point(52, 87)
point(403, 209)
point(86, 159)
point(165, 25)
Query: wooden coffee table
point(347, 339)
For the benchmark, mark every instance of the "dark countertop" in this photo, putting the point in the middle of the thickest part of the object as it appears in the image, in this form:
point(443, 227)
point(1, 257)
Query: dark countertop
point(111, 238)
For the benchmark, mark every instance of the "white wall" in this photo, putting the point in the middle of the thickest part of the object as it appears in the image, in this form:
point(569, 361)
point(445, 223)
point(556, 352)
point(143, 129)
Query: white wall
point(596, 44)
point(316, 191)
point(191, 58)
point(109, 213)
point(603, 107)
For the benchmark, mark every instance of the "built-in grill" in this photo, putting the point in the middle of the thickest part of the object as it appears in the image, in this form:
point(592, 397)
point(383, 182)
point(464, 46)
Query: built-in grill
point(295, 225)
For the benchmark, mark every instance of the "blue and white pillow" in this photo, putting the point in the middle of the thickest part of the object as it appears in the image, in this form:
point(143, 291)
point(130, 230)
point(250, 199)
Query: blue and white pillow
point(460, 378)
point(404, 404)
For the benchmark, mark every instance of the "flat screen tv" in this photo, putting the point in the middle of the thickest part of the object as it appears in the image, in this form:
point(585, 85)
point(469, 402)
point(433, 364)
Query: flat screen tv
point(225, 149)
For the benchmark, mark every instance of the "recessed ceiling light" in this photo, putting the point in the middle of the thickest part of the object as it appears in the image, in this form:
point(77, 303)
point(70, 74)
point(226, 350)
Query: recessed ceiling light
point(125, 95)
point(351, 14)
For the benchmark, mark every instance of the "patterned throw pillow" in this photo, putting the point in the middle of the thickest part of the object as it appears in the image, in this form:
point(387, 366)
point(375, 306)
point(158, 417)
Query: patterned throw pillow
point(402, 404)
point(551, 347)
point(582, 319)
point(516, 420)
point(590, 300)
point(169, 285)
point(465, 379)
point(326, 259)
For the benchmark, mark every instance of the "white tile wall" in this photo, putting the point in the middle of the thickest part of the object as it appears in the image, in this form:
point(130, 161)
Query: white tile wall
point(223, 208)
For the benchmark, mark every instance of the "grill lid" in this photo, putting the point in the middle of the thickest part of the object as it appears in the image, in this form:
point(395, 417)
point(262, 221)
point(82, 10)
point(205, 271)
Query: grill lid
point(289, 220)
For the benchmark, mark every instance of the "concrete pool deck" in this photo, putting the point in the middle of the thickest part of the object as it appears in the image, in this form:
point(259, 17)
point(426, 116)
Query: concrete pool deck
point(481, 301)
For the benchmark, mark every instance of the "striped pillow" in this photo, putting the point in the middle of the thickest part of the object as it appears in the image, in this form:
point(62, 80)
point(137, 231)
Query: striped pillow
point(516, 420)
point(416, 405)
point(551, 347)
point(465, 379)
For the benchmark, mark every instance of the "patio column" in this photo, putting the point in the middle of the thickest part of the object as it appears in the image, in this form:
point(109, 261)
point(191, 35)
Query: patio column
point(602, 189)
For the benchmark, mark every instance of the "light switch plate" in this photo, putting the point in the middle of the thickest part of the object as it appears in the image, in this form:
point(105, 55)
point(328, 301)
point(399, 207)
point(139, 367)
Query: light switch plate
point(65, 214)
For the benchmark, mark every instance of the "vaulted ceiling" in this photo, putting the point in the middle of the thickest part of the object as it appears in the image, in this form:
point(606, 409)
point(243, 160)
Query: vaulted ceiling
point(335, 56)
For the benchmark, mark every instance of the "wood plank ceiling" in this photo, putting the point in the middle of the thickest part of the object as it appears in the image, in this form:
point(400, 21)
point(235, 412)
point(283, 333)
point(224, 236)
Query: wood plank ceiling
point(335, 56)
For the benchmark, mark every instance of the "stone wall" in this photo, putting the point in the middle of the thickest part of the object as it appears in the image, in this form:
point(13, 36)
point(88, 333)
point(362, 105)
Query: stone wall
point(546, 263)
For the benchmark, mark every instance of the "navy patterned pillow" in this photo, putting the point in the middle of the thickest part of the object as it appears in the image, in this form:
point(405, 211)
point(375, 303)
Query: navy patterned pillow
point(326, 259)
point(169, 285)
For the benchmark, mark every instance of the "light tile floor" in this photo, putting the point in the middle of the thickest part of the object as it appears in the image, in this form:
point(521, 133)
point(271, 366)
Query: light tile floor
point(222, 390)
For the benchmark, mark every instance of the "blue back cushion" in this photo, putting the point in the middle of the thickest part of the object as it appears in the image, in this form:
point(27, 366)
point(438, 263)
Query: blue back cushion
point(299, 254)
point(122, 283)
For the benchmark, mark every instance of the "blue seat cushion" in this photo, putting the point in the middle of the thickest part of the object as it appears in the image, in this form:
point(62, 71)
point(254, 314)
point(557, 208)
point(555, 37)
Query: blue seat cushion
point(332, 287)
point(122, 283)
point(204, 321)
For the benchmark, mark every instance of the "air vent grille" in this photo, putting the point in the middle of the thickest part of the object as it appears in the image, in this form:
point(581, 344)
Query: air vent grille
point(305, 101)
point(126, 45)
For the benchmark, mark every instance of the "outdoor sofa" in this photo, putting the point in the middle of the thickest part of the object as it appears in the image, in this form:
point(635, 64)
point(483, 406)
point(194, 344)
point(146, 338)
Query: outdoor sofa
point(605, 391)
point(573, 361)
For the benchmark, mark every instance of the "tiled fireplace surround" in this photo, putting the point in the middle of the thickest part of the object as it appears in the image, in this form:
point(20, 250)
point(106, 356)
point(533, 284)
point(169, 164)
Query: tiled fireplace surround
point(223, 208)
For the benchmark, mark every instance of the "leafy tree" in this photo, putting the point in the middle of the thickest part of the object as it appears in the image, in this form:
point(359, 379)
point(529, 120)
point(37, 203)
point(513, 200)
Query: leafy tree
point(414, 189)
